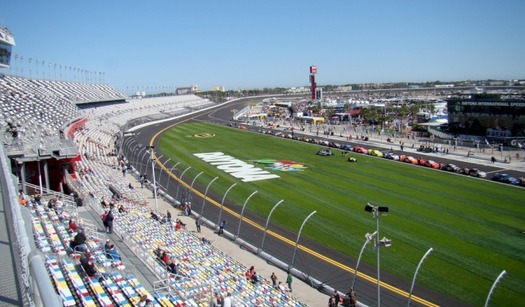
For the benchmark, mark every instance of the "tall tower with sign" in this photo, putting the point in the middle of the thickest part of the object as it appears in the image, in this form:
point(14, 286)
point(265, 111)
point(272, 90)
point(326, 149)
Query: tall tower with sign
point(313, 85)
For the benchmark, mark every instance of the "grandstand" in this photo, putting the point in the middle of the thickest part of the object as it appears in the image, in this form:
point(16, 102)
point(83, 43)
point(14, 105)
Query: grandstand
point(59, 138)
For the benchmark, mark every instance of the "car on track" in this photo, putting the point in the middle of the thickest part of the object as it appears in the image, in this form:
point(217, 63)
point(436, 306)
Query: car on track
point(390, 155)
point(347, 147)
point(474, 172)
point(334, 145)
point(325, 152)
point(451, 168)
point(505, 178)
point(360, 149)
point(375, 153)
point(432, 164)
point(410, 159)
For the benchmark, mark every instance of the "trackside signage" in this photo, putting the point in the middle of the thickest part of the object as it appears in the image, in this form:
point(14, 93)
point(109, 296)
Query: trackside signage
point(235, 167)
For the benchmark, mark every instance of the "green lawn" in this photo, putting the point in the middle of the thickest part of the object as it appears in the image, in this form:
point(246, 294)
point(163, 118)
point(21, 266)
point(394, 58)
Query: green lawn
point(475, 227)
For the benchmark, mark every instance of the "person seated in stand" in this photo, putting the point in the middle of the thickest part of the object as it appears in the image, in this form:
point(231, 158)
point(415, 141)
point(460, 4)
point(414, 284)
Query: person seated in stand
point(158, 252)
point(173, 266)
point(90, 268)
point(72, 226)
point(179, 224)
point(252, 275)
point(51, 204)
point(107, 246)
point(205, 241)
point(112, 253)
point(165, 257)
point(154, 216)
point(122, 209)
point(38, 200)
point(84, 257)
point(144, 301)
point(104, 203)
point(79, 242)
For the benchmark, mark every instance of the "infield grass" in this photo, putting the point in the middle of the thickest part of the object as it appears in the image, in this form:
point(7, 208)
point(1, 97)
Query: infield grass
point(475, 227)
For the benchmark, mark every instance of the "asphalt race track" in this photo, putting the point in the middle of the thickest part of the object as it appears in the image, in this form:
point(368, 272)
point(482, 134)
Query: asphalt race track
point(328, 266)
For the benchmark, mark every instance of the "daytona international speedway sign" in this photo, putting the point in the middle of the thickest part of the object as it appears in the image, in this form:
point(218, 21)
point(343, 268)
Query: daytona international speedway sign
point(235, 167)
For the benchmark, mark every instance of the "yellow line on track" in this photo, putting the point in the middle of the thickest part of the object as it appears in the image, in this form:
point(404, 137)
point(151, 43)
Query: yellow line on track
point(280, 237)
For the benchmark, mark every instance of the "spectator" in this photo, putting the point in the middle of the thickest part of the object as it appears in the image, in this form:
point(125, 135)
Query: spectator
point(289, 281)
point(85, 257)
point(103, 217)
point(227, 300)
point(221, 227)
point(252, 275)
point(154, 216)
point(205, 241)
point(90, 269)
point(198, 224)
point(38, 200)
point(109, 221)
point(107, 246)
point(59, 204)
point(72, 226)
point(217, 300)
point(121, 209)
point(336, 297)
point(274, 280)
point(332, 302)
point(79, 242)
point(113, 254)
point(144, 301)
point(173, 267)
point(143, 180)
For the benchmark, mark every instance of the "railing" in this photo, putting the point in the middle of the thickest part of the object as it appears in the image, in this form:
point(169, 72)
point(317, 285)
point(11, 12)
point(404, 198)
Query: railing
point(37, 287)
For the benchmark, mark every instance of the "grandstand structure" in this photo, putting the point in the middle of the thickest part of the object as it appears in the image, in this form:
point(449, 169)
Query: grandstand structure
point(59, 138)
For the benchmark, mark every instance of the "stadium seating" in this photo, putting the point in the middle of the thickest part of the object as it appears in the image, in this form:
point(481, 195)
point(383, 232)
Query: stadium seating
point(40, 108)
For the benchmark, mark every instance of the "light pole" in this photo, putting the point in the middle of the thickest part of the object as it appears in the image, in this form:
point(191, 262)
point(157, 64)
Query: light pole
point(500, 276)
point(222, 202)
point(266, 226)
point(181, 182)
point(299, 236)
point(152, 155)
point(242, 213)
point(369, 238)
point(192, 182)
point(169, 177)
point(377, 212)
point(142, 160)
point(415, 275)
point(136, 160)
point(206, 193)
point(163, 167)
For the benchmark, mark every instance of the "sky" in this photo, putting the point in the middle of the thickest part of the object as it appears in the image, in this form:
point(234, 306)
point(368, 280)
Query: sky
point(243, 44)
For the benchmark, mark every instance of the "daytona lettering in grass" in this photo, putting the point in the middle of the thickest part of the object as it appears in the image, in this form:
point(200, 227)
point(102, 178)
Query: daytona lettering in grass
point(235, 167)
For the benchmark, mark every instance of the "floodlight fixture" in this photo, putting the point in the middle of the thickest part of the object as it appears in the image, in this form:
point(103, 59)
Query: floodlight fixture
point(369, 208)
point(370, 236)
point(385, 242)
point(382, 209)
